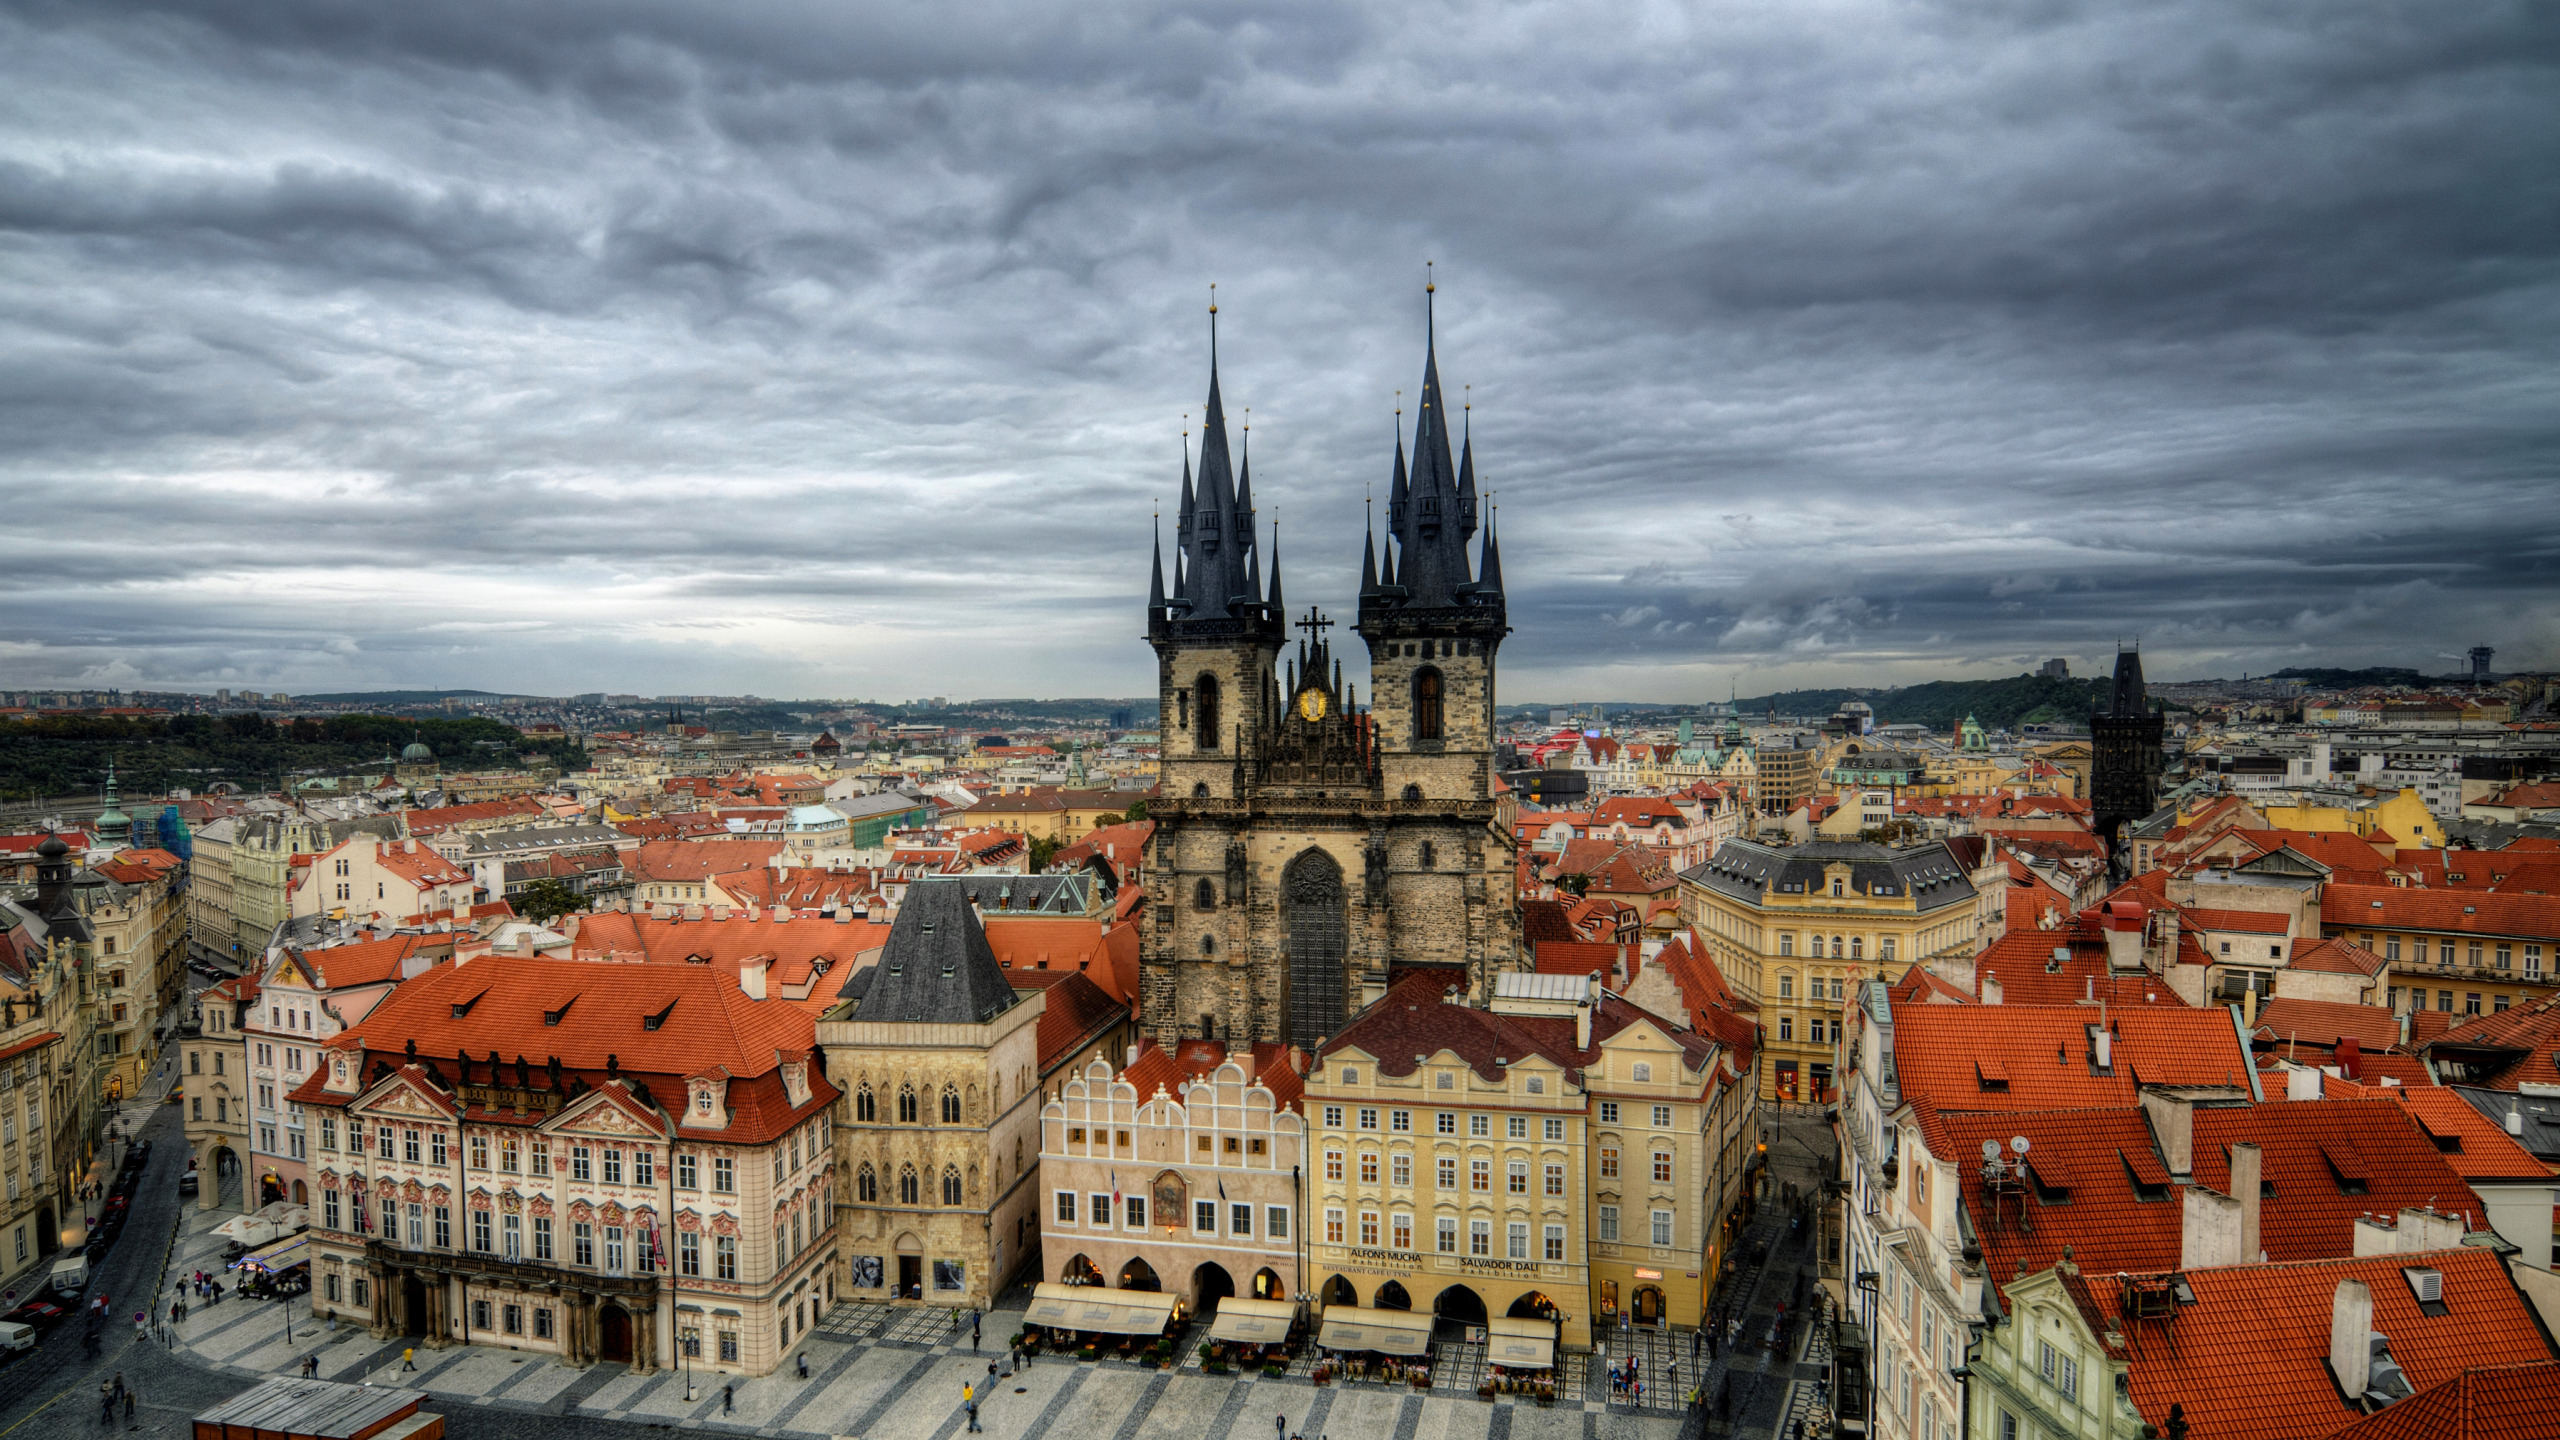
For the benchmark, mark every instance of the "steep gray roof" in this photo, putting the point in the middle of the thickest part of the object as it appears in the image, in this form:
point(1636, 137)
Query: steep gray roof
point(935, 968)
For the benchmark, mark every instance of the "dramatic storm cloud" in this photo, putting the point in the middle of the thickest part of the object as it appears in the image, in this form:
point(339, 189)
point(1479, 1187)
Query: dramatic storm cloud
point(840, 349)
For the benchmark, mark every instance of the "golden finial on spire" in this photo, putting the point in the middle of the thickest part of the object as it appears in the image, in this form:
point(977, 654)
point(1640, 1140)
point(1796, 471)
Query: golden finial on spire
point(1213, 297)
point(1428, 286)
point(1399, 402)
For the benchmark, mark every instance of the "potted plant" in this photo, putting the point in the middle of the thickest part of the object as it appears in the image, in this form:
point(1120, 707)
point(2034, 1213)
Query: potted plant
point(1089, 1353)
point(1323, 1373)
point(1274, 1369)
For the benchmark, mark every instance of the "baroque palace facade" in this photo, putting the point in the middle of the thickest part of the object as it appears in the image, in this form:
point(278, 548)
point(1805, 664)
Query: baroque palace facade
point(1308, 851)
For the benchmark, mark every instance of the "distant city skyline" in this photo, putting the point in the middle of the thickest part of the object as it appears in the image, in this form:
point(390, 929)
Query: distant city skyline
point(849, 350)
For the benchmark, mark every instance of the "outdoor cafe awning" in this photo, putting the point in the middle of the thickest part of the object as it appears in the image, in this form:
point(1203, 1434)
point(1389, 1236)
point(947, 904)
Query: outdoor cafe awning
point(1095, 1310)
point(1523, 1344)
point(276, 1257)
point(1387, 1332)
point(1254, 1322)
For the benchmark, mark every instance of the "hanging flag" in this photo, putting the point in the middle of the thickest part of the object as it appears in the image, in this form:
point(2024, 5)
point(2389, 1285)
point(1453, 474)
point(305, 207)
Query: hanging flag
point(1222, 1189)
point(1115, 1190)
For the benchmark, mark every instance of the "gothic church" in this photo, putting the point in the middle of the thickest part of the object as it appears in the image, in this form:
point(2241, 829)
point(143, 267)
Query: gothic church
point(1307, 850)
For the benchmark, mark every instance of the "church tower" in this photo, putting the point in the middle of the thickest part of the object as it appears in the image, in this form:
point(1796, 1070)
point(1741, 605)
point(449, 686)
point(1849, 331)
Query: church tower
point(1308, 851)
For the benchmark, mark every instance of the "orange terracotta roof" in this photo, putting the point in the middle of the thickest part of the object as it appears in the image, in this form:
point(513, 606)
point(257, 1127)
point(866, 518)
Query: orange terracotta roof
point(2311, 1149)
point(803, 954)
point(2023, 960)
point(369, 962)
point(2252, 922)
point(2518, 1047)
point(1580, 957)
point(697, 860)
point(2333, 955)
point(2473, 1145)
point(2045, 1049)
point(422, 823)
point(2485, 1402)
point(705, 1025)
point(1190, 1061)
point(2250, 1356)
point(2286, 1019)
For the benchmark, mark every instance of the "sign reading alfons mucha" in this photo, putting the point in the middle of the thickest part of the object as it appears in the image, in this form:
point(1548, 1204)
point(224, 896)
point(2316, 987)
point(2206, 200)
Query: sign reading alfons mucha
point(1171, 1196)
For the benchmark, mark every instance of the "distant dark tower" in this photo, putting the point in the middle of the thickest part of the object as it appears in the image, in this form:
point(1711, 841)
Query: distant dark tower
point(2124, 740)
point(2480, 664)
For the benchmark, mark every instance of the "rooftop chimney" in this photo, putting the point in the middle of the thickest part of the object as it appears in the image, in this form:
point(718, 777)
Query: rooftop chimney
point(2350, 1342)
point(2350, 1057)
point(2302, 1083)
point(1581, 1027)
point(2245, 1165)
point(2208, 1230)
point(751, 977)
point(1990, 988)
point(2423, 1229)
point(2173, 1125)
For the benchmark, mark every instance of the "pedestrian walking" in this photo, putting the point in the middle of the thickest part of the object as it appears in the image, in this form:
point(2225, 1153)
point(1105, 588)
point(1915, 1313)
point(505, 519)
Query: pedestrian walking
point(973, 1334)
point(1279, 1427)
point(128, 1404)
point(310, 1367)
point(728, 1399)
point(804, 1364)
point(969, 1402)
point(408, 1358)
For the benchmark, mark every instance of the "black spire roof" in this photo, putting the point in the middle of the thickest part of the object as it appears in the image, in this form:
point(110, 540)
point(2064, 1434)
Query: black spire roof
point(1432, 511)
point(1216, 568)
point(2129, 698)
point(935, 968)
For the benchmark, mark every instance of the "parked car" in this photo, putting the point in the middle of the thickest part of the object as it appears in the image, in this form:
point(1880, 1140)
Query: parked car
point(36, 1312)
point(16, 1338)
point(137, 1155)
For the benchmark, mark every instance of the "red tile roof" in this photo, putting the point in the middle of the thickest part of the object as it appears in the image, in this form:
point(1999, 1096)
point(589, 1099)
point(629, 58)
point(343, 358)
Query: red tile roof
point(2029, 975)
point(2470, 912)
point(371, 962)
point(1275, 1066)
point(2311, 1150)
point(1582, 957)
point(697, 860)
point(2253, 922)
point(422, 823)
point(801, 953)
point(2485, 1402)
point(2250, 1356)
point(2333, 956)
point(1077, 1011)
point(2502, 1051)
point(2286, 1020)
point(1412, 1020)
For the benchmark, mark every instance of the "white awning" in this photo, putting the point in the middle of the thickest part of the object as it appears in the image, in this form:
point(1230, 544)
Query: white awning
point(1098, 1311)
point(1388, 1332)
point(1520, 1344)
point(1255, 1322)
point(277, 1257)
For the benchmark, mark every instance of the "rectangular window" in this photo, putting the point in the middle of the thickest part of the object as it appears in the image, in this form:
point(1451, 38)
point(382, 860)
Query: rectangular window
point(1066, 1207)
point(1517, 1240)
point(613, 1167)
point(1275, 1222)
point(328, 1209)
point(511, 1317)
point(1515, 1127)
point(1448, 1172)
point(484, 1236)
point(1204, 1217)
point(1400, 1121)
point(541, 1322)
point(1786, 987)
point(688, 1253)
point(435, 1151)
point(1786, 1027)
point(1662, 1167)
point(728, 1347)
point(2391, 949)
point(581, 1163)
point(1400, 1172)
point(1480, 1237)
point(1368, 1168)
point(688, 1173)
point(1333, 1164)
point(1368, 1227)
point(1134, 1207)
point(582, 1243)
point(1097, 1211)
point(479, 1152)
point(1661, 1117)
point(384, 1141)
point(613, 1249)
point(1333, 1117)
point(1609, 1223)
point(329, 1132)
point(724, 1175)
point(542, 1237)
point(1608, 1162)
point(2532, 961)
point(1555, 1130)
point(444, 1227)
point(1400, 1232)
point(1517, 1180)
point(644, 1168)
point(1446, 1122)
point(479, 1314)
point(1480, 1126)
point(408, 1140)
point(724, 1257)
point(511, 1231)
point(1608, 1112)
point(1555, 1179)
point(541, 1159)
point(1786, 943)
point(1448, 1236)
point(1661, 1227)
point(1333, 1227)
point(1480, 1176)
point(1555, 1242)
point(1368, 1117)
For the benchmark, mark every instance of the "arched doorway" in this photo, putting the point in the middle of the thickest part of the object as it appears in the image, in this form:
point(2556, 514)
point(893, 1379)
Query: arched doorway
point(1079, 1271)
point(270, 1187)
point(613, 1333)
point(1267, 1286)
point(1648, 1309)
point(1532, 1306)
point(1210, 1283)
point(1392, 1296)
point(911, 1267)
point(1338, 1291)
point(301, 1193)
point(1458, 1306)
point(1139, 1275)
point(413, 1306)
point(1317, 936)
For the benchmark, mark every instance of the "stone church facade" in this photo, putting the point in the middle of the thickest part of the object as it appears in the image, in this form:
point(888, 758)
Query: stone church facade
point(1307, 848)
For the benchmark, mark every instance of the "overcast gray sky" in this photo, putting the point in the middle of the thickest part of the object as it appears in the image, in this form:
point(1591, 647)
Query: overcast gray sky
point(836, 349)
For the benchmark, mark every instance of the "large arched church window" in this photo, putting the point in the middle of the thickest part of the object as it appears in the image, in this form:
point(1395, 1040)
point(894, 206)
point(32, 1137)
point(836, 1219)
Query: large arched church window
point(1315, 928)
point(1426, 704)
point(1205, 691)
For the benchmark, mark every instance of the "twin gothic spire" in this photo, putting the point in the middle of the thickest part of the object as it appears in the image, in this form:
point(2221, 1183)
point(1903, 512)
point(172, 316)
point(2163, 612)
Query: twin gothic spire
point(1432, 512)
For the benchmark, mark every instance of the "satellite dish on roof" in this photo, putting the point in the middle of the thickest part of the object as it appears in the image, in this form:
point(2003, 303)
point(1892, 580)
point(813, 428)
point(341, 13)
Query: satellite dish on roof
point(1990, 1149)
point(2018, 1143)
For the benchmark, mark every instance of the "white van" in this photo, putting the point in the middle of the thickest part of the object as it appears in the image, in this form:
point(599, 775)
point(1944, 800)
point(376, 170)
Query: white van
point(71, 1275)
point(15, 1337)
